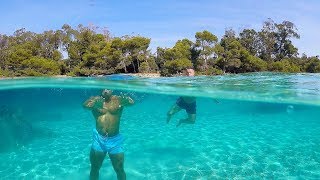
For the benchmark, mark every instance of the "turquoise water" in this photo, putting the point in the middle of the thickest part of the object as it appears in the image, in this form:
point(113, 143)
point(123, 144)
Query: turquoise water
point(260, 125)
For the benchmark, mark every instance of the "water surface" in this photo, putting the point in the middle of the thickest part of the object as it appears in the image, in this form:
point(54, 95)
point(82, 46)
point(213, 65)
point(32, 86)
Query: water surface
point(260, 125)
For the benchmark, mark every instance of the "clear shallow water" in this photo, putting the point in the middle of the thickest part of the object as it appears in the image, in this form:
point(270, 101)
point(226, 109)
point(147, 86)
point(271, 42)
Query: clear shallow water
point(266, 87)
point(264, 126)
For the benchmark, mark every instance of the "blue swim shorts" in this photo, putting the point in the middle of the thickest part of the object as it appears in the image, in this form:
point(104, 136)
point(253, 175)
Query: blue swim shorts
point(110, 145)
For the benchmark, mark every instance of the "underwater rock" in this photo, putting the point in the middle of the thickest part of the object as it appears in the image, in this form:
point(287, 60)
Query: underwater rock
point(23, 131)
point(15, 130)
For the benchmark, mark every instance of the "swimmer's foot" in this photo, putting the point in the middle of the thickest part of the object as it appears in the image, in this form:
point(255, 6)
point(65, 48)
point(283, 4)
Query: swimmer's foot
point(168, 119)
point(180, 122)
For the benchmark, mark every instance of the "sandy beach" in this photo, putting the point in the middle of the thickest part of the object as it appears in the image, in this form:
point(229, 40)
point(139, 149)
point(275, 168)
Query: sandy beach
point(149, 75)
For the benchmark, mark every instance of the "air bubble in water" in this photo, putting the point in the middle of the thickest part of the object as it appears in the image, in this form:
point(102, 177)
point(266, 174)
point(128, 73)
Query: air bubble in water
point(290, 109)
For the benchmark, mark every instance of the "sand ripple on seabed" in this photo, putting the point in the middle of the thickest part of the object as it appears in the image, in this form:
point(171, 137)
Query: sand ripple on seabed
point(229, 148)
point(61, 153)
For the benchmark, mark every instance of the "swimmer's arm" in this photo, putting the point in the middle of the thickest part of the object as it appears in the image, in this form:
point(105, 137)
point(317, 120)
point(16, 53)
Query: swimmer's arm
point(102, 110)
point(89, 104)
point(126, 101)
point(97, 108)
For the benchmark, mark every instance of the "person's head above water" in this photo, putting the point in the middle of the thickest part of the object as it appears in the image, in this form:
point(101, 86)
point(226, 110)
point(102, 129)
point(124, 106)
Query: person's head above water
point(106, 93)
point(189, 72)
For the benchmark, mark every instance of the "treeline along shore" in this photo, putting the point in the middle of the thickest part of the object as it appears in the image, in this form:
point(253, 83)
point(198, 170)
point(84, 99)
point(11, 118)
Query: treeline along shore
point(88, 50)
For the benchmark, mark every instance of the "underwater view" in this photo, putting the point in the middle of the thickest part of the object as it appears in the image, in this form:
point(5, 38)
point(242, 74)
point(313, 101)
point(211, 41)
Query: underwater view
point(256, 125)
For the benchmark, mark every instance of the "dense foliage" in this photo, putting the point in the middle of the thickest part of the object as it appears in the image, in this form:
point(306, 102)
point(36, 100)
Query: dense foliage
point(86, 51)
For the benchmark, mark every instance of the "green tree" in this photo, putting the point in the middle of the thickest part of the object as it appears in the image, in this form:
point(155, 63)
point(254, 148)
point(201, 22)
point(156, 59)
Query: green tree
point(49, 43)
point(39, 67)
point(205, 42)
point(250, 63)
point(312, 65)
point(4, 46)
point(179, 53)
point(176, 66)
point(249, 39)
point(228, 52)
point(283, 46)
point(135, 50)
point(284, 66)
point(267, 40)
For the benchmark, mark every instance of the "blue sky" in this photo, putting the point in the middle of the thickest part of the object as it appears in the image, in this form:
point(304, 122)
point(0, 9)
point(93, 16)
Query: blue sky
point(165, 21)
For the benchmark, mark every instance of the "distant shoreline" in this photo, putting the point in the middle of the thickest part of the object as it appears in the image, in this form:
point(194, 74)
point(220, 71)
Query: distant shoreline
point(150, 75)
point(144, 75)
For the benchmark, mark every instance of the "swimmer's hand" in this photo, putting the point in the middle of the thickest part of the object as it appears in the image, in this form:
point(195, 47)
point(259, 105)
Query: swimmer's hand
point(126, 100)
point(216, 101)
point(91, 102)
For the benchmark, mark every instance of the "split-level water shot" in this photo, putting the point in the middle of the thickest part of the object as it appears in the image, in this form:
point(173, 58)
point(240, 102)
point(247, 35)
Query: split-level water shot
point(159, 90)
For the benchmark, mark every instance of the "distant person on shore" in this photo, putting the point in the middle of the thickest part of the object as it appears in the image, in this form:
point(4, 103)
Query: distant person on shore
point(107, 110)
point(184, 102)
